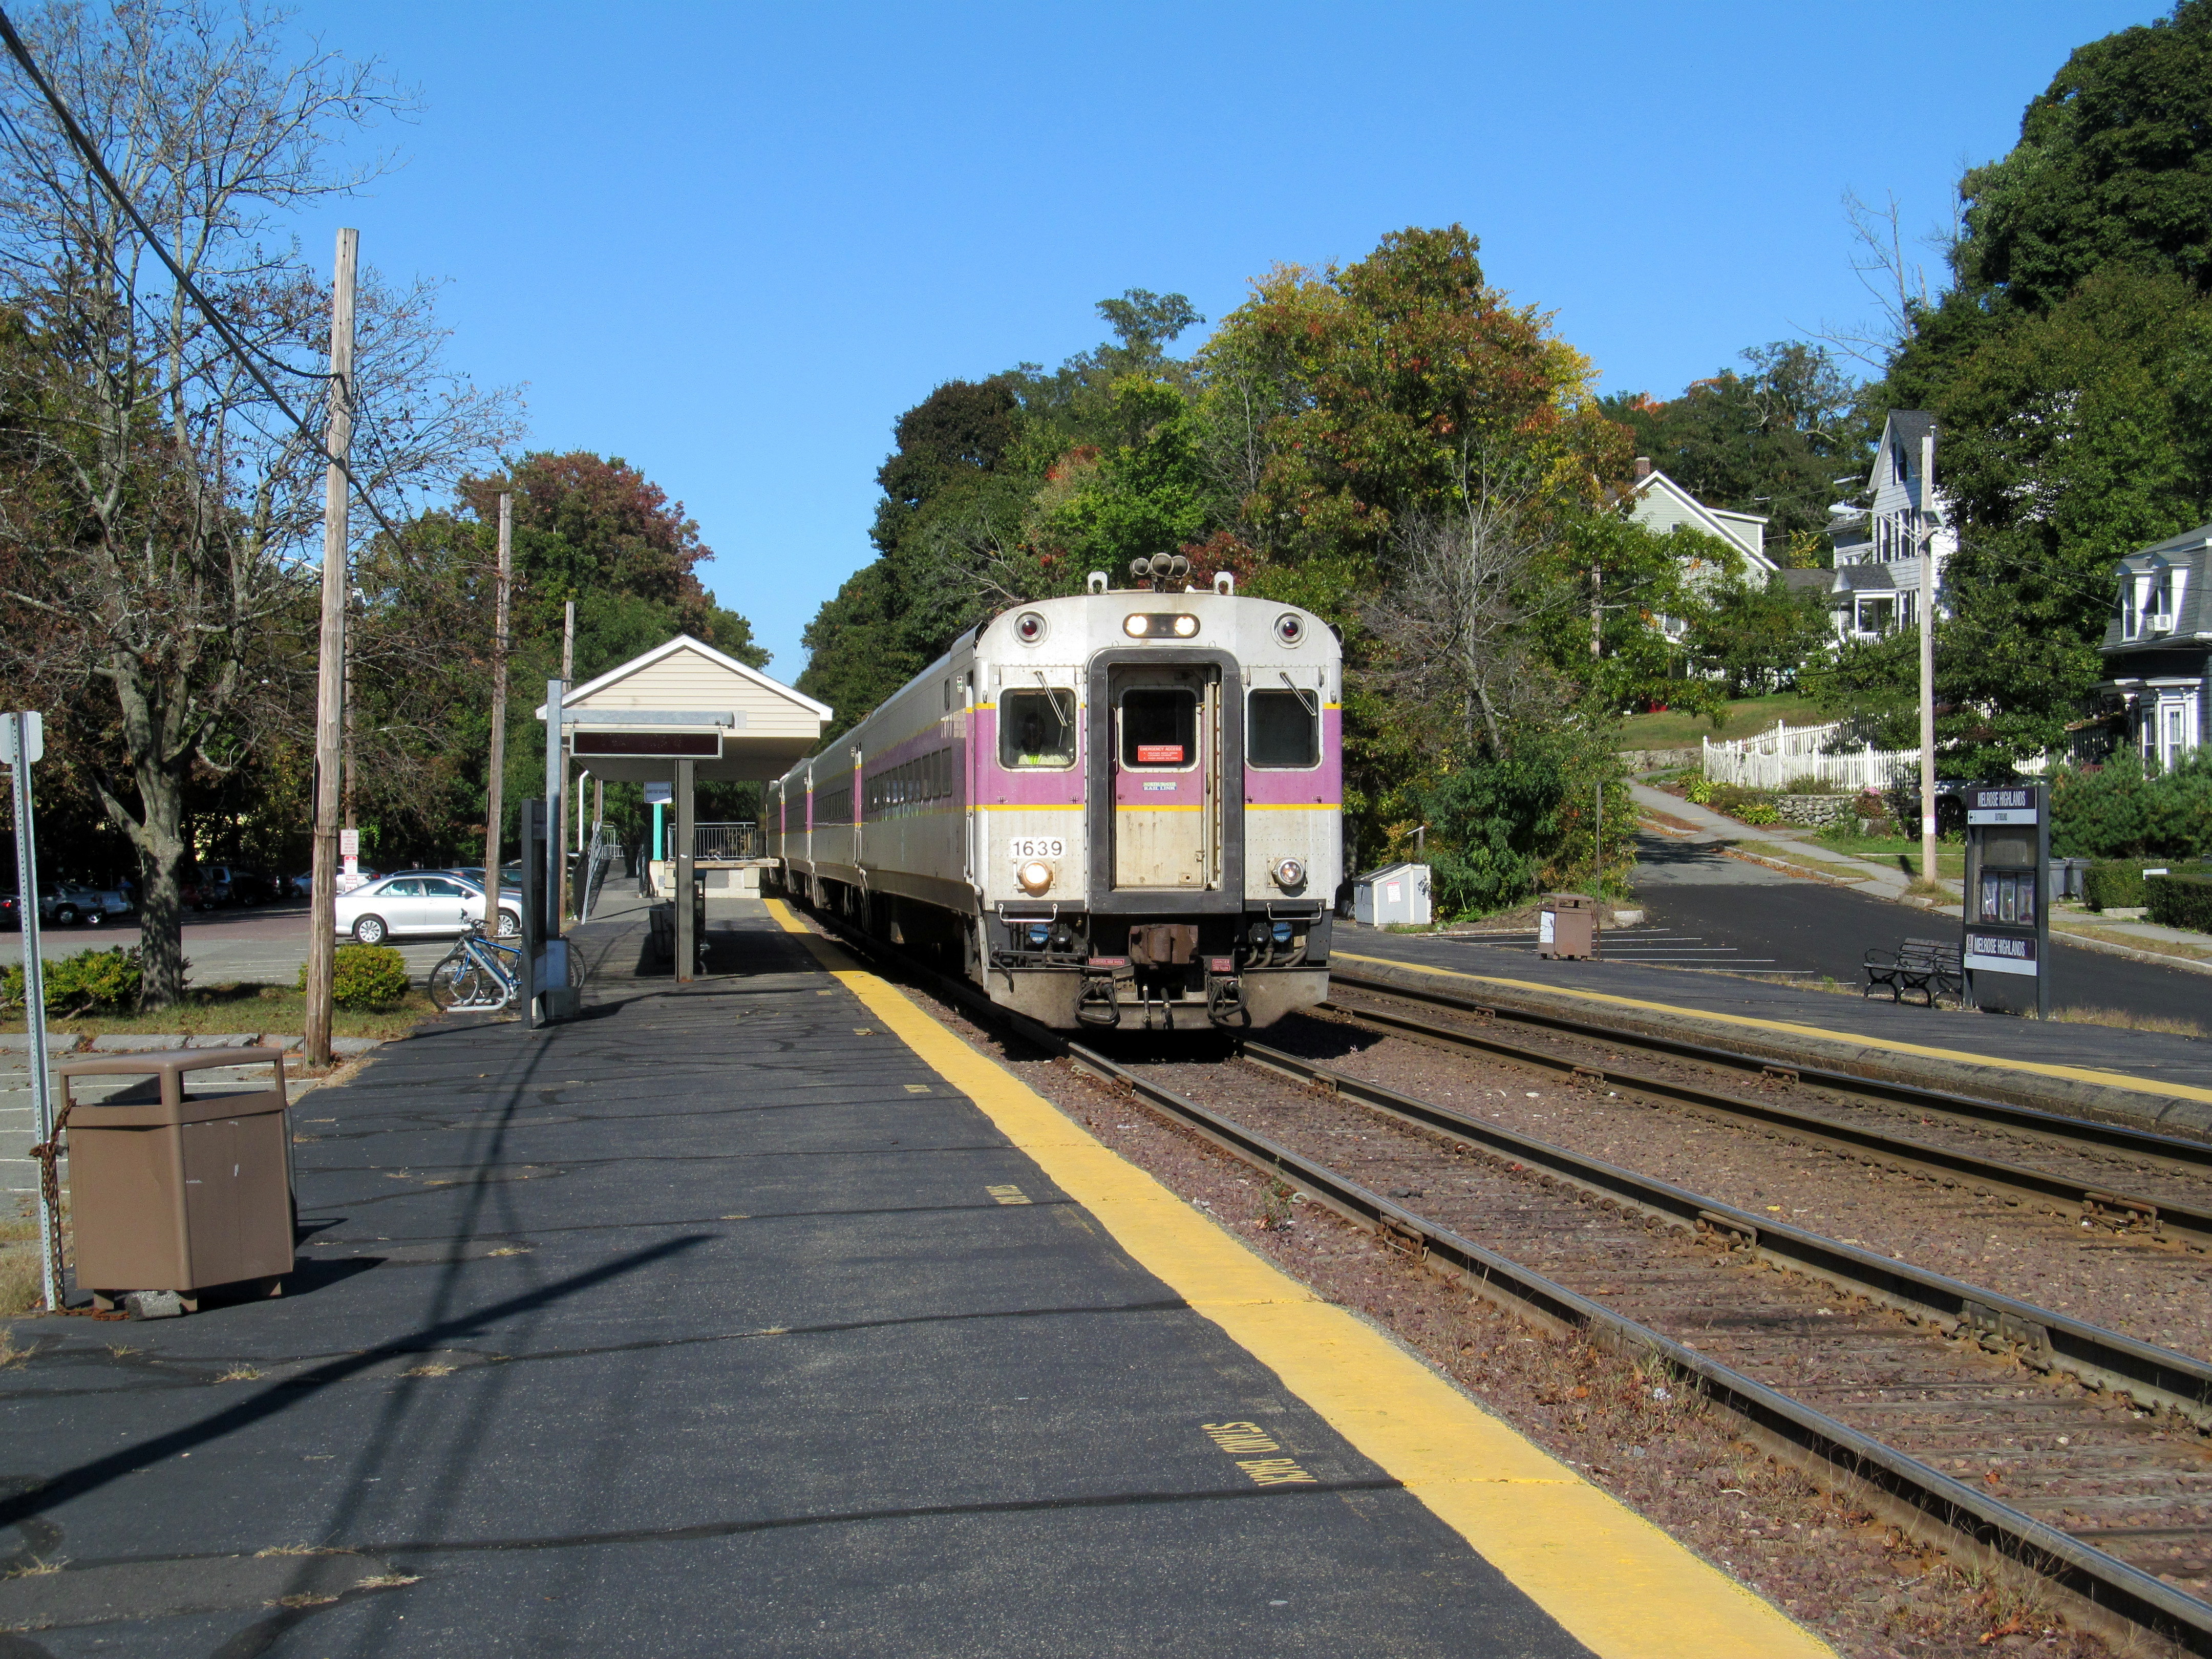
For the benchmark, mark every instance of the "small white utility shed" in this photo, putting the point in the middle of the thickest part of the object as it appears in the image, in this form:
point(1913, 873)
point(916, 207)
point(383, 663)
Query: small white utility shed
point(681, 713)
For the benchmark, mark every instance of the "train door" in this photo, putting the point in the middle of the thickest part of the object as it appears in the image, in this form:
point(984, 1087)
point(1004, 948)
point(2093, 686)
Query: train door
point(1167, 784)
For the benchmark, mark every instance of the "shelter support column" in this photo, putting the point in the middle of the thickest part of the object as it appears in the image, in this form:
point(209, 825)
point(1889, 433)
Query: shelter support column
point(687, 946)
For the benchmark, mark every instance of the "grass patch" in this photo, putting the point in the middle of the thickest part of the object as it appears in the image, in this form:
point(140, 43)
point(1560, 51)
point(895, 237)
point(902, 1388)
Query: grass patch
point(2129, 1019)
point(2133, 941)
point(1899, 854)
point(244, 1005)
point(22, 1277)
point(1679, 730)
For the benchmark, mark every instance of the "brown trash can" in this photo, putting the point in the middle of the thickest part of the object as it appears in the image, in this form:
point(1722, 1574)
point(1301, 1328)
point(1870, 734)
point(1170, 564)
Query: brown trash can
point(1568, 927)
point(178, 1194)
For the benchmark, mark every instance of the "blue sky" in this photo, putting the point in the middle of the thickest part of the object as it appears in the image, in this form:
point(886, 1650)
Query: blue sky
point(732, 243)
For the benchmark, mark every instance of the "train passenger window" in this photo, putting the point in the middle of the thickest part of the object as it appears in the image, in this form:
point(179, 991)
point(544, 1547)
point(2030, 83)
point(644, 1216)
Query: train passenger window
point(1036, 728)
point(1159, 728)
point(1284, 729)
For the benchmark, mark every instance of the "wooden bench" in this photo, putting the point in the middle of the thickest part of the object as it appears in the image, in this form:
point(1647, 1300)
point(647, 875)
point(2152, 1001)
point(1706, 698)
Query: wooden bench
point(1929, 966)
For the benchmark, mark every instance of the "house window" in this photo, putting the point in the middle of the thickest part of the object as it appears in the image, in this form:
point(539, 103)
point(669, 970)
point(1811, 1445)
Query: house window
point(1896, 463)
point(1876, 614)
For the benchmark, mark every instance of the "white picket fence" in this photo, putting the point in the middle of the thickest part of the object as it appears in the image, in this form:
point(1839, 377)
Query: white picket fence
point(1771, 759)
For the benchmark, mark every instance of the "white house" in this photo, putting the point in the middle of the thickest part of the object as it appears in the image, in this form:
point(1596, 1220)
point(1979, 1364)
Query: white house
point(2158, 647)
point(1875, 585)
point(1660, 504)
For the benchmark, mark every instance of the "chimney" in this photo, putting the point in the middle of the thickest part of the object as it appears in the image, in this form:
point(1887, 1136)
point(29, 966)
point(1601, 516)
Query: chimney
point(1643, 466)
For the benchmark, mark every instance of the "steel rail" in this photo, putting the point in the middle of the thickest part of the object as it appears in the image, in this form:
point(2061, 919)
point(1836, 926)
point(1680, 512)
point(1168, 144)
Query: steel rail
point(2107, 1584)
point(2158, 1216)
point(2105, 1581)
point(2044, 1338)
point(2195, 1155)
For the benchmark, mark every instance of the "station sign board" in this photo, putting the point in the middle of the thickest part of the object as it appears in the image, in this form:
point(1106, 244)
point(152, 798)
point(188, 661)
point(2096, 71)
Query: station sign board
point(2016, 805)
point(1989, 952)
point(2005, 936)
point(646, 746)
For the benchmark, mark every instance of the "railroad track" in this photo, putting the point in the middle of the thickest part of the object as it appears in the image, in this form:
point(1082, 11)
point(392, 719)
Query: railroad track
point(2106, 1175)
point(2075, 1450)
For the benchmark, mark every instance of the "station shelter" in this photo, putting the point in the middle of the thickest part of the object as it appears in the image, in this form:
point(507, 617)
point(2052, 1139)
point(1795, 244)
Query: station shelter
point(683, 713)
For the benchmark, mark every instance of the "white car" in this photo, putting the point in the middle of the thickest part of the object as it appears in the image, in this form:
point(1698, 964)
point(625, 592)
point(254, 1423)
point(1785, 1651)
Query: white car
point(400, 906)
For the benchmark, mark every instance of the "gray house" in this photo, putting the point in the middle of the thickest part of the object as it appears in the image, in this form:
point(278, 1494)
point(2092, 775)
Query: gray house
point(2158, 647)
point(1875, 588)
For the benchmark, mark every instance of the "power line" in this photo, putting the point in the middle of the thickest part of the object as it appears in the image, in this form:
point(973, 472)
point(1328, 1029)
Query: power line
point(237, 347)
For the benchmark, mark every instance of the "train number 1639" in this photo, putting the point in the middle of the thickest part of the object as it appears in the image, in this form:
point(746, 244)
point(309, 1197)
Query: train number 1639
point(1039, 847)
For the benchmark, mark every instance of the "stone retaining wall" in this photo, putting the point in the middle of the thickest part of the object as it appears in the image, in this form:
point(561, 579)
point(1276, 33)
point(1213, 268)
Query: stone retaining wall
point(1816, 810)
point(1656, 760)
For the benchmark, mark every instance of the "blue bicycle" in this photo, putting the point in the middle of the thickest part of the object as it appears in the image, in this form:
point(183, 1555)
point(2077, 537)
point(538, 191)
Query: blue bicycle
point(480, 975)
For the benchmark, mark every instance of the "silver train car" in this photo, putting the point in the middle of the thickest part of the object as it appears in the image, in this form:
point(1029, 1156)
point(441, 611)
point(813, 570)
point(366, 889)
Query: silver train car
point(1122, 808)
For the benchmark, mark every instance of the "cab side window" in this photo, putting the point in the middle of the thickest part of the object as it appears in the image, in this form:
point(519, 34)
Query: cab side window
point(1284, 730)
point(1036, 728)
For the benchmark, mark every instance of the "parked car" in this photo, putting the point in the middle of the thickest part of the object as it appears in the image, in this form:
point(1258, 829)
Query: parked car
point(65, 904)
point(510, 875)
point(415, 903)
point(230, 883)
point(11, 909)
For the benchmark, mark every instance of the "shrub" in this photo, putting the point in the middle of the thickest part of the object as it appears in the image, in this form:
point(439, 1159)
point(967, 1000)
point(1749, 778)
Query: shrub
point(1811, 784)
point(2178, 901)
point(2122, 811)
point(1699, 789)
point(2120, 883)
point(367, 978)
point(2110, 886)
point(90, 981)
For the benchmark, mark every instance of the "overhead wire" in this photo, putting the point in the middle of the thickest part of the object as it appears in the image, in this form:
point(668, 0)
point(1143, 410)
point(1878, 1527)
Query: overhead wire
point(239, 348)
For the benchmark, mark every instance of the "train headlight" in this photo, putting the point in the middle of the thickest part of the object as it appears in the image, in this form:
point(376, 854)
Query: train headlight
point(1137, 626)
point(1289, 628)
point(1185, 626)
point(1028, 628)
point(1290, 873)
point(1036, 876)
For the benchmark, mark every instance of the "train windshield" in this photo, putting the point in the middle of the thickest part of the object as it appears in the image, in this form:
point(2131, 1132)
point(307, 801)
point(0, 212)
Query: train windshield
point(1284, 729)
point(1159, 728)
point(1036, 728)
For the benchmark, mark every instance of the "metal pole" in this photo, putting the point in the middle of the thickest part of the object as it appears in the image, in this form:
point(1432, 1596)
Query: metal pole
point(330, 676)
point(35, 984)
point(1928, 656)
point(556, 841)
point(556, 820)
point(496, 781)
point(687, 946)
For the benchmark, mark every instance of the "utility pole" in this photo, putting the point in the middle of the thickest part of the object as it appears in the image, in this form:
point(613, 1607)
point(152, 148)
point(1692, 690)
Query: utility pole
point(557, 831)
point(494, 807)
point(26, 743)
point(329, 673)
point(1928, 655)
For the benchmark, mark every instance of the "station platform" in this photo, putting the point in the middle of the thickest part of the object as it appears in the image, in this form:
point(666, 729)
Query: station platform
point(2151, 1080)
point(763, 1315)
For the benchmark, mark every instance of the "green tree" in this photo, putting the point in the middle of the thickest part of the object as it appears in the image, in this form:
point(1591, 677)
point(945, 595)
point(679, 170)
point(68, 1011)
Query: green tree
point(1773, 441)
point(2113, 168)
point(2070, 369)
point(1757, 636)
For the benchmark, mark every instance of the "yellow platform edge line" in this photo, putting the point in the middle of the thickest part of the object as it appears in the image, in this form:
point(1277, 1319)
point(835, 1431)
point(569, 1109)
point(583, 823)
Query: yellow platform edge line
point(1613, 1581)
point(2041, 1068)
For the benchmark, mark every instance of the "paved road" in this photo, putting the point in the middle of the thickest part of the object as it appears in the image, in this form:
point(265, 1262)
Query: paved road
point(1774, 923)
point(264, 946)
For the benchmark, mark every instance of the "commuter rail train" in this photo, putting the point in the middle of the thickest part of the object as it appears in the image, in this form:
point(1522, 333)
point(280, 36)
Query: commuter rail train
point(1120, 808)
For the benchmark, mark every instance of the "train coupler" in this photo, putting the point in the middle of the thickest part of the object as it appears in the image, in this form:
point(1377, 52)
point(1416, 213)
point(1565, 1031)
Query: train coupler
point(1095, 1004)
point(1224, 995)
